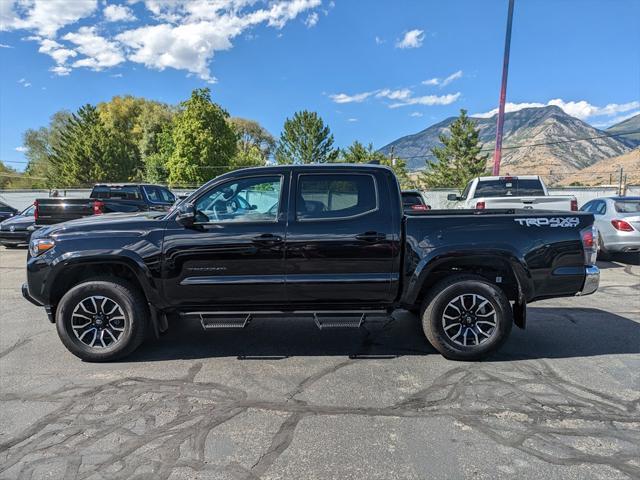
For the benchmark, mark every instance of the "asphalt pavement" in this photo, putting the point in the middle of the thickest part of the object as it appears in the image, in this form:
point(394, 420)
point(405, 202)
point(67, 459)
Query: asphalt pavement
point(283, 400)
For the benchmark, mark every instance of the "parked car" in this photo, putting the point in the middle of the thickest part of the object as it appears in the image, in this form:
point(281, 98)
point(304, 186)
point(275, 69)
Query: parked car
point(104, 198)
point(6, 211)
point(618, 223)
point(16, 230)
point(325, 241)
point(524, 191)
point(413, 201)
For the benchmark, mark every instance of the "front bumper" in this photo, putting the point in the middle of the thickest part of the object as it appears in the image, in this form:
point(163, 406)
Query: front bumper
point(18, 237)
point(27, 295)
point(591, 280)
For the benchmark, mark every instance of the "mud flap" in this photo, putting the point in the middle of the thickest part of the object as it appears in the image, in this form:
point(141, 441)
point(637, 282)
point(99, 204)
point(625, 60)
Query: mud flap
point(520, 313)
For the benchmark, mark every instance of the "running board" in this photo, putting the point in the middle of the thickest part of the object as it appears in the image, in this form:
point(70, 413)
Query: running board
point(211, 320)
point(322, 319)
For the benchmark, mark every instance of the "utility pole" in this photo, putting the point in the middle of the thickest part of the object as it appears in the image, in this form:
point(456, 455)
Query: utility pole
point(497, 154)
point(620, 182)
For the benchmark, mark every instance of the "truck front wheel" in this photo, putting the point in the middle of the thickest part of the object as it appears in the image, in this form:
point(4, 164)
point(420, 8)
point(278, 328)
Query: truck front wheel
point(102, 319)
point(465, 317)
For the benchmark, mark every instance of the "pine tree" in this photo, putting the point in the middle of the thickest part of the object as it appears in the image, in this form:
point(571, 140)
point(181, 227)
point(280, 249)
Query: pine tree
point(305, 139)
point(459, 159)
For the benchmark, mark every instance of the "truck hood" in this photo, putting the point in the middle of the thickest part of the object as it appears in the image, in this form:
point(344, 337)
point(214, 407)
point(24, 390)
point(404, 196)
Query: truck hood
point(18, 222)
point(111, 222)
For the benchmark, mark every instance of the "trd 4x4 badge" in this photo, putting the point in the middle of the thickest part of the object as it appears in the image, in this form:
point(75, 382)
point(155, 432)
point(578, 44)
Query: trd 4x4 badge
point(565, 222)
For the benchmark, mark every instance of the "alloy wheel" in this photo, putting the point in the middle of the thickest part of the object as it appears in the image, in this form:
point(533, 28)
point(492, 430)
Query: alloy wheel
point(98, 321)
point(469, 320)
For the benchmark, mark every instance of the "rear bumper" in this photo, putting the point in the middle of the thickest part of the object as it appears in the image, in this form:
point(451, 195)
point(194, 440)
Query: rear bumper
point(591, 280)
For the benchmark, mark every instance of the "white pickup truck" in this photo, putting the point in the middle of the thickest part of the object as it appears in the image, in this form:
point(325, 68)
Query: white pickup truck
point(524, 191)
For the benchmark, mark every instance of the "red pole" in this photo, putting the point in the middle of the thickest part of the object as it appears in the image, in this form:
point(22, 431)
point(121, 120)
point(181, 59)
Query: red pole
point(497, 154)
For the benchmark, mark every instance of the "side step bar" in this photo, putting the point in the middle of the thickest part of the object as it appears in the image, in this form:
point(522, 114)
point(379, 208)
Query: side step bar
point(322, 319)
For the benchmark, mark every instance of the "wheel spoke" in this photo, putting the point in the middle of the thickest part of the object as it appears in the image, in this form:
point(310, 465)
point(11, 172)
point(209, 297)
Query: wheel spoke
point(464, 337)
point(109, 332)
point(86, 331)
point(81, 326)
point(475, 335)
point(457, 334)
point(449, 317)
point(484, 322)
point(93, 302)
point(451, 326)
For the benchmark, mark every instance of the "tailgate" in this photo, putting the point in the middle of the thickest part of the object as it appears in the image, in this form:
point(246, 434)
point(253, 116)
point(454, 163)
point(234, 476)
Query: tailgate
point(529, 203)
point(58, 210)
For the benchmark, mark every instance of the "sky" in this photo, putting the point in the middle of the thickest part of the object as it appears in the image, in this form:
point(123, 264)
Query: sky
point(374, 70)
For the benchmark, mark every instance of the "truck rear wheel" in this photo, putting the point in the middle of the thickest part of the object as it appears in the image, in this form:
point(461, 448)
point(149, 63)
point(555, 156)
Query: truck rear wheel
point(466, 318)
point(102, 319)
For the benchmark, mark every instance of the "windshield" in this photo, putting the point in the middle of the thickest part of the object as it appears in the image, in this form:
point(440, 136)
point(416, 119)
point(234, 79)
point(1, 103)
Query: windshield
point(507, 187)
point(29, 211)
point(627, 206)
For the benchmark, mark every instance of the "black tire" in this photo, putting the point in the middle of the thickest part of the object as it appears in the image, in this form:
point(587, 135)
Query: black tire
point(134, 326)
point(603, 253)
point(447, 291)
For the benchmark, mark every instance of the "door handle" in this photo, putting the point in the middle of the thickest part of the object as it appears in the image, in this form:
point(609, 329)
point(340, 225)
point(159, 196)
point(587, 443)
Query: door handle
point(371, 237)
point(267, 238)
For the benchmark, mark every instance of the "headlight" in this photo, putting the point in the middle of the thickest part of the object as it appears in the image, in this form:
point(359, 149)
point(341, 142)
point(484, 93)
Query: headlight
point(40, 245)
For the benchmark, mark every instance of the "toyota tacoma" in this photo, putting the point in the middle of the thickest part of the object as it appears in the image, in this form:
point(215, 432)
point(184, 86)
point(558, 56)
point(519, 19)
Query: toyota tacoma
point(327, 242)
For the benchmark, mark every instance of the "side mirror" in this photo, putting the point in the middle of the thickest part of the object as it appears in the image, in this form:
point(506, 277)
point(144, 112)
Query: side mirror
point(186, 214)
point(452, 197)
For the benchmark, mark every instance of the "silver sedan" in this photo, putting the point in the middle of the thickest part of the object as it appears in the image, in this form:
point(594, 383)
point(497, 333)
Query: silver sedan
point(618, 221)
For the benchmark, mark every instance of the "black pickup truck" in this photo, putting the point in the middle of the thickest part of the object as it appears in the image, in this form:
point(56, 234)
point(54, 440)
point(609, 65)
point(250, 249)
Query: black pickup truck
point(328, 242)
point(104, 198)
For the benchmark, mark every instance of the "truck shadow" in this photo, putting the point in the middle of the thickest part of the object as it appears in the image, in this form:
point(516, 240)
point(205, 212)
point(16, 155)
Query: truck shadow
point(550, 333)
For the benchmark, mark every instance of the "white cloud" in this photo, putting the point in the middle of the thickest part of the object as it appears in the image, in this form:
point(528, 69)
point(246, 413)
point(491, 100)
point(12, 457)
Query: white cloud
point(401, 94)
point(431, 81)
point(411, 39)
point(379, 40)
point(2, 45)
point(118, 13)
point(451, 78)
point(45, 17)
point(443, 82)
point(183, 34)
point(116, 75)
point(580, 109)
point(612, 121)
point(24, 82)
point(415, 114)
point(56, 51)
point(99, 52)
point(345, 98)
point(312, 20)
point(428, 100)
point(352, 120)
point(21, 149)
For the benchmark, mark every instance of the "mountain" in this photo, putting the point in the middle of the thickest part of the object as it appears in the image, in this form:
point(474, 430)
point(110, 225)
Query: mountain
point(548, 131)
point(606, 172)
point(629, 125)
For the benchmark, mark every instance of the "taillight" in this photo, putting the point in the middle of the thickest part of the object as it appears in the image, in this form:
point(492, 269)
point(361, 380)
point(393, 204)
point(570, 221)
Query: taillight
point(589, 237)
point(36, 213)
point(574, 205)
point(98, 207)
point(480, 205)
point(419, 207)
point(622, 225)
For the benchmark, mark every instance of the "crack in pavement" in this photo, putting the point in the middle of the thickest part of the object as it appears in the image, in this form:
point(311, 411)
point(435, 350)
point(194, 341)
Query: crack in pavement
point(148, 428)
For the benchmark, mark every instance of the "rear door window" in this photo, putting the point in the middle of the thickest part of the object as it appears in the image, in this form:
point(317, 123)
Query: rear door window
point(410, 198)
point(125, 192)
point(332, 197)
point(507, 187)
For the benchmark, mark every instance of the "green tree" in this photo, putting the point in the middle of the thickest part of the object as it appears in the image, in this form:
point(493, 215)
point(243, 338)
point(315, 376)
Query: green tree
point(39, 146)
point(305, 139)
point(459, 159)
point(252, 139)
point(358, 153)
point(89, 151)
point(203, 142)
